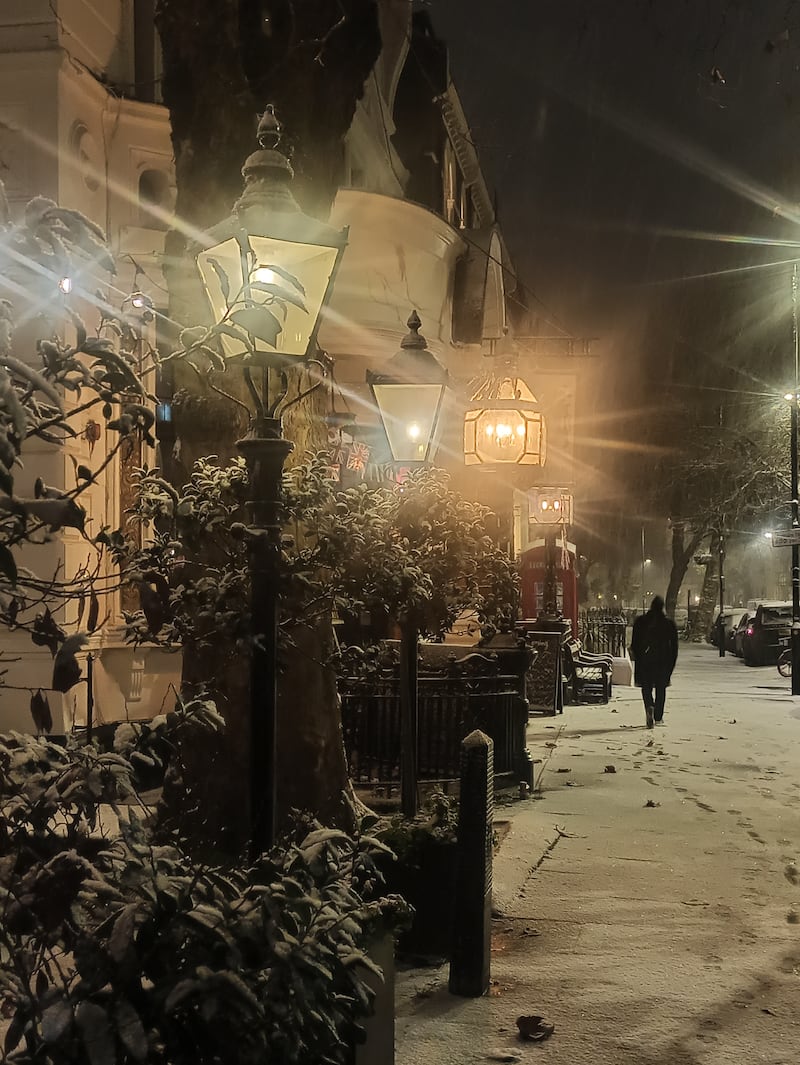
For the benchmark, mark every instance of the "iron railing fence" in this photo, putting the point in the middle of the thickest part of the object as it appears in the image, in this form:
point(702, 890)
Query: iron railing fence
point(450, 707)
point(602, 632)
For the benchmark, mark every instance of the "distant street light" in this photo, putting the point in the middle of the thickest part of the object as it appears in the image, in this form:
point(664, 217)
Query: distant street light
point(793, 401)
point(721, 578)
point(645, 562)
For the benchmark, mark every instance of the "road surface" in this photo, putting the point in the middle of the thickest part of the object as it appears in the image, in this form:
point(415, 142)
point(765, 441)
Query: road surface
point(648, 912)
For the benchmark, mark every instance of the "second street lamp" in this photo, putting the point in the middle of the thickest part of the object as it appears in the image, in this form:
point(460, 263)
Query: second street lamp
point(268, 272)
point(409, 395)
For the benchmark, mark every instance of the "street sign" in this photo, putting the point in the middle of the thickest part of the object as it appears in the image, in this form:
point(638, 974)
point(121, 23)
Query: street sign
point(786, 539)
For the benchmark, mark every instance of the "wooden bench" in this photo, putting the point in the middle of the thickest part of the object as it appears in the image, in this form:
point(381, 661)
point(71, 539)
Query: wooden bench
point(587, 676)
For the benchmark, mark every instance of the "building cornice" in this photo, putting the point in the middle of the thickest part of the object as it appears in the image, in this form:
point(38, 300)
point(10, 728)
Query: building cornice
point(457, 127)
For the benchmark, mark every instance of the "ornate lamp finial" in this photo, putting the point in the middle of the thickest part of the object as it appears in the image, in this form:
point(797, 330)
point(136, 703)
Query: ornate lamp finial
point(269, 130)
point(414, 339)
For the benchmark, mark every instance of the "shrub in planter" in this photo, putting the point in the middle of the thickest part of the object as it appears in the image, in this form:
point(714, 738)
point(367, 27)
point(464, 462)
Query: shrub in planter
point(118, 945)
point(424, 874)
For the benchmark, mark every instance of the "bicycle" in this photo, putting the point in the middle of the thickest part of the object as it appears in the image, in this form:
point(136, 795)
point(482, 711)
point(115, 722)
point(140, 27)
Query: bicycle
point(785, 663)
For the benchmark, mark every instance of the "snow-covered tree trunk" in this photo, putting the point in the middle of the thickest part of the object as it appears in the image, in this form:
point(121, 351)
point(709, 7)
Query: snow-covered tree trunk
point(702, 616)
point(682, 551)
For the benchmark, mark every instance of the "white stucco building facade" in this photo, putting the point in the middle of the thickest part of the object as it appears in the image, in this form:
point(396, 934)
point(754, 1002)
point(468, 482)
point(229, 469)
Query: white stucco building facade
point(80, 122)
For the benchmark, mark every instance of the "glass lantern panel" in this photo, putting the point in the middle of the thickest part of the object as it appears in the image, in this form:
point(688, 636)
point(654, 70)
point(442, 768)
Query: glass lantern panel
point(222, 260)
point(288, 278)
point(409, 414)
point(500, 435)
point(503, 436)
point(535, 441)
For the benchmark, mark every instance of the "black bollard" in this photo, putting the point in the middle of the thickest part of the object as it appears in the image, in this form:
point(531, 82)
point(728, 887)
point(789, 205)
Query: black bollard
point(472, 932)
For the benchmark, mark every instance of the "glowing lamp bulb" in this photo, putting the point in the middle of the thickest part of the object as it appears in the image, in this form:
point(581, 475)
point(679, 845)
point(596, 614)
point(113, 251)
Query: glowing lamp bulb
point(557, 504)
point(490, 430)
point(520, 430)
point(65, 285)
point(138, 301)
point(545, 504)
point(264, 275)
point(413, 431)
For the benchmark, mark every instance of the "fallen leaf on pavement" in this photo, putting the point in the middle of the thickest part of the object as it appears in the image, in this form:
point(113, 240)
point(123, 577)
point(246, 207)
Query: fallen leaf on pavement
point(425, 992)
point(733, 722)
point(652, 803)
point(791, 873)
point(769, 1012)
point(613, 711)
point(793, 917)
point(610, 769)
point(563, 770)
point(550, 745)
point(534, 1028)
point(502, 1055)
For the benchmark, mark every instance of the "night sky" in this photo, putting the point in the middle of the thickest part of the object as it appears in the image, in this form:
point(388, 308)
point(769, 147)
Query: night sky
point(613, 131)
point(583, 111)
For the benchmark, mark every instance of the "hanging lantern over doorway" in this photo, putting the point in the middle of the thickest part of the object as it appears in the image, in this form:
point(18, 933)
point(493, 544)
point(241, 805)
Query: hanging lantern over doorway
point(504, 424)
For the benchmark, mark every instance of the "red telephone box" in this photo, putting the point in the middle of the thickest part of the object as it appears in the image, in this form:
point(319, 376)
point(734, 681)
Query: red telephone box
point(533, 573)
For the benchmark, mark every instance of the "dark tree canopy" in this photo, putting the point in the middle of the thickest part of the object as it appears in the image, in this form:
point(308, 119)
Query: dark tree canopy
point(224, 60)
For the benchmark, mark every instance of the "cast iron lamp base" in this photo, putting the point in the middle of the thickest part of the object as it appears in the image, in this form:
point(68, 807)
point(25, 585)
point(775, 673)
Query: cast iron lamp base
point(265, 452)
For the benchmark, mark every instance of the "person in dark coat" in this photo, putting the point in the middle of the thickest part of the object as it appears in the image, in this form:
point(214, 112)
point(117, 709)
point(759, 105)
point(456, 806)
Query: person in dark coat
point(654, 650)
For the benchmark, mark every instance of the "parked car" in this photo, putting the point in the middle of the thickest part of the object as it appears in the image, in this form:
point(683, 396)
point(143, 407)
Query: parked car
point(730, 632)
point(722, 628)
point(766, 634)
point(739, 631)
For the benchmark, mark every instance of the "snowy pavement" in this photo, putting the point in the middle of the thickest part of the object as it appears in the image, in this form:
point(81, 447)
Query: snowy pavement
point(647, 912)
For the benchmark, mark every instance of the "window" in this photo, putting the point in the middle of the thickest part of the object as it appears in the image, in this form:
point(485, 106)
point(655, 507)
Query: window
point(449, 179)
point(154, 192)
point(774, 615)
point(87, 154)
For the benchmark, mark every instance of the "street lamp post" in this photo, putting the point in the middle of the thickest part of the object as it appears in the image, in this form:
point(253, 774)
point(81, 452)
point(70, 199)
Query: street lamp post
point(409, 395)
point(720, 629)
point(552, 509)
point(268, 273)
point(795, 642)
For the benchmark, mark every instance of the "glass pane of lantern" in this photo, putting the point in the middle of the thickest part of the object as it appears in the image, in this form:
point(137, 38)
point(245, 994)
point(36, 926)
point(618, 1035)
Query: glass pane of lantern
point(535, 452)
point(289, 278)
point(222, 260)
point(409, 416)
point(507, 436)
